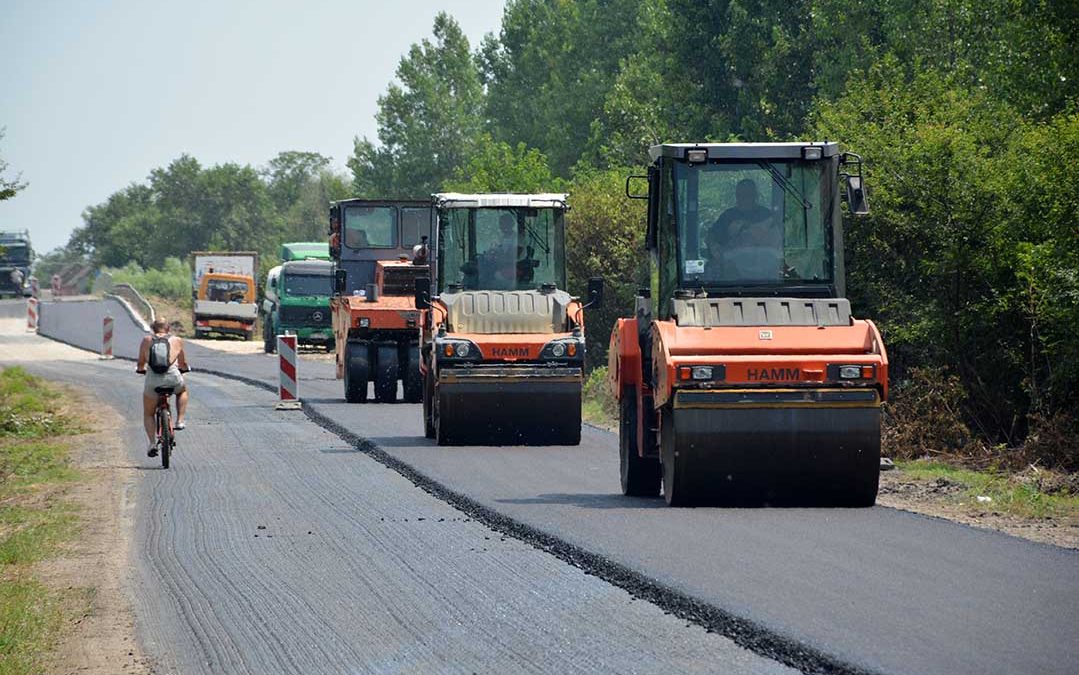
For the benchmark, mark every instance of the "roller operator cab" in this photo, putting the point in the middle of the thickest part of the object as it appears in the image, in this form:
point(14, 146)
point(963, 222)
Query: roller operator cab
point(743, 377)
point(502, 345)
point(379, 249)
point(16, 258)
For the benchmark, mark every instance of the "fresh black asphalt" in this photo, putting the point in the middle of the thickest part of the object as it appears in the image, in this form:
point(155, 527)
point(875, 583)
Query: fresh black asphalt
point(876, 588)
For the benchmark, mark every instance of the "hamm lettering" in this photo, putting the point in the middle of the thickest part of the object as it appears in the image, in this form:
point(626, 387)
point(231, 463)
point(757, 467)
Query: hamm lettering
point(774, 374)
point(510, 352)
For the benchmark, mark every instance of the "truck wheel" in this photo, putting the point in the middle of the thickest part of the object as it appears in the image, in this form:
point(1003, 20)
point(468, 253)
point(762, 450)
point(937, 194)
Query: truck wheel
point(412, 379)
point(641, 476)
point(428, 405)
point(269, 340)
point(357, 371)
point(386, 370)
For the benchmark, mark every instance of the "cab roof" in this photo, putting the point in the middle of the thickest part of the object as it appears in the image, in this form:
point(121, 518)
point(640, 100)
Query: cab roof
point(742, 150)
point(496, 200)
point(313, 267)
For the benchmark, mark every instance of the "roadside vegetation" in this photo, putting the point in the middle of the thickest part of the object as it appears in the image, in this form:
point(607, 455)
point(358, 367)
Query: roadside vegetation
point(967, 114)
point(35, 519)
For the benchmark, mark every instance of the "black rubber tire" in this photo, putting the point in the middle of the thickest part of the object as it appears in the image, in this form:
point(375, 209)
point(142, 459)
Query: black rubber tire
point(386, 371)
point(165, 450)
point(428, 404)
point(675, 488)
point(357, 371)
point(641, 476)
point(411, 377)
point(269, 340)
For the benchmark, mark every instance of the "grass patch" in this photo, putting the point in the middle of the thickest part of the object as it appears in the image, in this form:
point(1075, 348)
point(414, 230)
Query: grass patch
point(1018, 494)
point(34, 518)
point(597, 403)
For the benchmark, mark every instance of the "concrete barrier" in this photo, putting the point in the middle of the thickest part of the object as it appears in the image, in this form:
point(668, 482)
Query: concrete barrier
point(70, 321)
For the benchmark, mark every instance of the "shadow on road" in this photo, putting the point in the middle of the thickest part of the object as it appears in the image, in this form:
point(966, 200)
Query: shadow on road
point(402, 441)
point(610, 500)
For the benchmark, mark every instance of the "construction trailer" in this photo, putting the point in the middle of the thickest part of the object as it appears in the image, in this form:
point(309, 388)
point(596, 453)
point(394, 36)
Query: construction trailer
point(502, 343)
point(378, 249)
point(743, 376)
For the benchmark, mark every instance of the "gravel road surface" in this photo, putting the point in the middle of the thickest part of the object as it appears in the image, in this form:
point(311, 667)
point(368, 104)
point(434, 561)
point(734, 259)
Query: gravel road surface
point(272, 546)
point(876, 588)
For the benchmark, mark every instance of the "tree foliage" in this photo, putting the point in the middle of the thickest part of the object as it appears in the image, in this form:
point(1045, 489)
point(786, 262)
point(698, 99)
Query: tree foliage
point(186, 207)
point(9, 187)
point(429, 121)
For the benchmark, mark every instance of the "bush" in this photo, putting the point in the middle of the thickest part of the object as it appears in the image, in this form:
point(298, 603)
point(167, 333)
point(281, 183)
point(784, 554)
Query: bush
point(600, 404)
point(172, 281)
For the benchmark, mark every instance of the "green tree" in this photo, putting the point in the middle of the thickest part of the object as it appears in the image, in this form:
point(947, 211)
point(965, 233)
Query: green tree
point(497, 166)
point(605, 238)
point(429, 121)
point(549, 71)
point(9, 187)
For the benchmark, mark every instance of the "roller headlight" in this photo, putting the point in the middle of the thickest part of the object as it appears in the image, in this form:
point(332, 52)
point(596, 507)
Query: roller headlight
point(564, 349)
point(365, 322)
point(461, 350)
point(850, 372)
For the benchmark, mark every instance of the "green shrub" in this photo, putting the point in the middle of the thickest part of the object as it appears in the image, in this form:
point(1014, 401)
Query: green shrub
point(172, 281)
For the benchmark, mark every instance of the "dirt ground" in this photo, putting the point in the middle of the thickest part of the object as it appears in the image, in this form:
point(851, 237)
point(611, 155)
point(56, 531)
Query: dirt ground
point(936, 497)
point(99, 636)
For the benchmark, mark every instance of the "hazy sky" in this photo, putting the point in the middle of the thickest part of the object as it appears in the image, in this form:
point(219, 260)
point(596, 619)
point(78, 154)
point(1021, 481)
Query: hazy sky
point(95, 94)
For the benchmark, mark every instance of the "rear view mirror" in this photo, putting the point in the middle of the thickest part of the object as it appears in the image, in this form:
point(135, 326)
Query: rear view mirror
point(634, 195)
point(855, 196)
point(423, 293)
point(340, 282)
point(595, 293)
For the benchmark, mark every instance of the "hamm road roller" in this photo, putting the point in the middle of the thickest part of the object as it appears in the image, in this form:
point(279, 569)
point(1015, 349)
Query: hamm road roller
point(742, 377)
point(502, 343)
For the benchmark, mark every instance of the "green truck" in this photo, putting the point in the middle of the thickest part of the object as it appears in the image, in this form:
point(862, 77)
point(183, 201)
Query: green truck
point(297, 297)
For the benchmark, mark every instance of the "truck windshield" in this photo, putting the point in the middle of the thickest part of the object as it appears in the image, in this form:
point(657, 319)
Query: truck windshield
point(752, 223)
point(14, 252)
point(225, 290)
point(308, 284)
point(501, 248)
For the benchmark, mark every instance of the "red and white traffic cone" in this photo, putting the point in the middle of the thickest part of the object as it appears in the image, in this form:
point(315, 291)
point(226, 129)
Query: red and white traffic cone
point(31, 314)
point(288, 391)
point(106, 341)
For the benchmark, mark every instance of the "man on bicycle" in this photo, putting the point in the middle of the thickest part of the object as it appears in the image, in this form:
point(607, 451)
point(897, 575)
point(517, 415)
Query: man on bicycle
point(164, 354)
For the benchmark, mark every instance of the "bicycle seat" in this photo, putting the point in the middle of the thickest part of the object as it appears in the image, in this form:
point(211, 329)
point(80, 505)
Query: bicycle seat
point(164, 390)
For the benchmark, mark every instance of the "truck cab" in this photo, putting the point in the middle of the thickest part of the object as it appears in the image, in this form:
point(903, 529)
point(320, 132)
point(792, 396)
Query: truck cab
point(16, 257)
point(297, 302)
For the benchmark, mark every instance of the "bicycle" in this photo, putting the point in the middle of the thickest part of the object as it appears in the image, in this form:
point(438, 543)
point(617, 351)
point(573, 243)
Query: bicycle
point(166, 435)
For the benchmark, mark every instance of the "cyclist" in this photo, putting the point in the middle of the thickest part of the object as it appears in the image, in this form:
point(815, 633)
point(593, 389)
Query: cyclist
point(164, 354)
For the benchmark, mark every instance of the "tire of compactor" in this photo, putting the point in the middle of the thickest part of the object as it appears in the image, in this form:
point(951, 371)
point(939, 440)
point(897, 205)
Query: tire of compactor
point(641, 476)
point(386, 373)
point(357, 371)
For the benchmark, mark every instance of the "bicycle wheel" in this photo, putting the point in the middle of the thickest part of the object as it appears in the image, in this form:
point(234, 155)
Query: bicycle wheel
point(164, 435)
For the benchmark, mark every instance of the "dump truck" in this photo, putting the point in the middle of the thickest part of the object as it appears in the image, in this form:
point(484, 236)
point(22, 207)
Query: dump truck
point(296, 302)
point(379, 250)
point(743, 377)
point(16, 257)
point(502, 342)
point(223, 293)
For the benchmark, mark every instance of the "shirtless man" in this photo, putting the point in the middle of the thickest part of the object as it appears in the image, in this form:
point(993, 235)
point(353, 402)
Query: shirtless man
point(176, 359)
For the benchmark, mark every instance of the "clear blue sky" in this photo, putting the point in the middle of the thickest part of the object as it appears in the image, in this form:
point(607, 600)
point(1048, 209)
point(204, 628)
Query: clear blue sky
point(95, 94)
